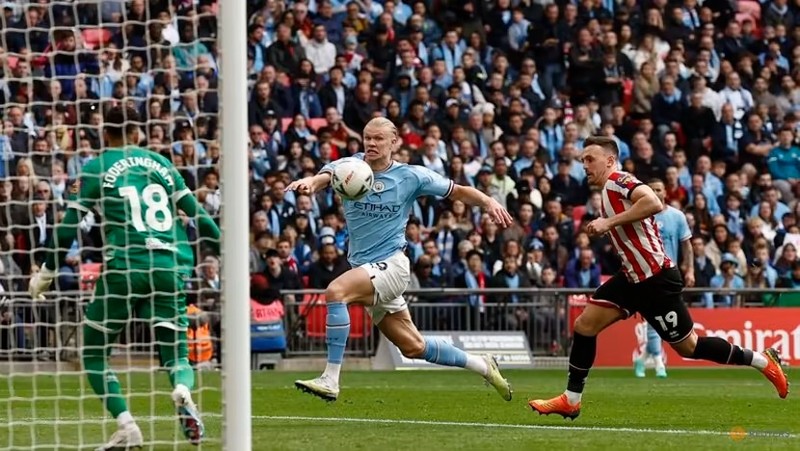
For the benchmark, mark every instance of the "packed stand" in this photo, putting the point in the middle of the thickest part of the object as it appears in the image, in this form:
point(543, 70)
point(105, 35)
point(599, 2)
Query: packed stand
point(499, 95)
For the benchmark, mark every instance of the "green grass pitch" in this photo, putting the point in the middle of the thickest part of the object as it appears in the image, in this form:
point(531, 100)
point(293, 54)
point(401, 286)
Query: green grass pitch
point(426, 410)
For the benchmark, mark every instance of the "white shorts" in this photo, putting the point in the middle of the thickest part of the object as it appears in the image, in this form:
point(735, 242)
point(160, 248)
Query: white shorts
point(390, 279)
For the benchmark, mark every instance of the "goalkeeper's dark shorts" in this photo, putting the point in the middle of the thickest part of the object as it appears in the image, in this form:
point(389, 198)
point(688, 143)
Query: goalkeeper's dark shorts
point(156, 296)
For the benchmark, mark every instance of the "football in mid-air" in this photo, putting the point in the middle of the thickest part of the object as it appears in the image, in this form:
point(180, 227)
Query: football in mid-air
point(352, 178)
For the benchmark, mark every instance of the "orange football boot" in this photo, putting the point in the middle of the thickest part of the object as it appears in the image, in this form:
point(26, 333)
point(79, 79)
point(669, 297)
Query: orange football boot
point(774, 372)
point(558, 405)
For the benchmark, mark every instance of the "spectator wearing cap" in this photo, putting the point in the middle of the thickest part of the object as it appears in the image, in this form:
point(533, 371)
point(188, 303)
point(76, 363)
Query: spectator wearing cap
point(727, 278)
point(327, 235)
point(534, 261)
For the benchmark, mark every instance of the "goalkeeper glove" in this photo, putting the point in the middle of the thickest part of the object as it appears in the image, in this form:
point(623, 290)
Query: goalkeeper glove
point(40, 282)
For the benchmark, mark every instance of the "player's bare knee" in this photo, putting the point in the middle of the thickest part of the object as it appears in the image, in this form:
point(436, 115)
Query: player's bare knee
point(337, 292)
point(685, 348)
point(413, 348)
point(586, 326)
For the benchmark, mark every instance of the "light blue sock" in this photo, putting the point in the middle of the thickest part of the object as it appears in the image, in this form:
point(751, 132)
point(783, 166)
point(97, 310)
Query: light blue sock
point(337, 328)
point(653, 341)
point(441, 353)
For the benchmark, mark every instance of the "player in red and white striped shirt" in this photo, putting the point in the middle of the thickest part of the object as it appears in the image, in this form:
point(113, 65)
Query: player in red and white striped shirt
point(649, 283)
point(638, 243)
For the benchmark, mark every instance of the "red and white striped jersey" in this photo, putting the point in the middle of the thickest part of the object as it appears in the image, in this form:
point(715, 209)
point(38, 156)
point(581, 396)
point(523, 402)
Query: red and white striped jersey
point(638, 244)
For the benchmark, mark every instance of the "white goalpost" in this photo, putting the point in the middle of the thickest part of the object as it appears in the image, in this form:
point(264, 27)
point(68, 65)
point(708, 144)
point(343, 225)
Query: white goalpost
point(61, 74)
point(237, 428)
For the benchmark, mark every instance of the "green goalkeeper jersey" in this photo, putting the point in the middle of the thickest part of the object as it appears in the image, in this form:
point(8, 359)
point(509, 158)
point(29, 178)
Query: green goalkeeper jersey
point(136, 192)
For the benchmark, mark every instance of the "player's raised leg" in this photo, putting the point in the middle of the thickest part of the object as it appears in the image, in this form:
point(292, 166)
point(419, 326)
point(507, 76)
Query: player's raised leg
point(589, 323)
point(354, 286)
point(400, 330)
point(105, 317)
point(719, 350)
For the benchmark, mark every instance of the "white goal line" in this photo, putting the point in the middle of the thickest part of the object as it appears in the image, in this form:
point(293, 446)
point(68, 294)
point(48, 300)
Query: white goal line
point(736, 433)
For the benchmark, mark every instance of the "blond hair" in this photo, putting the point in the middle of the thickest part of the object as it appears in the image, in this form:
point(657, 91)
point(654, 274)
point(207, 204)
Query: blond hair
point(386, 124)
point(382, 122)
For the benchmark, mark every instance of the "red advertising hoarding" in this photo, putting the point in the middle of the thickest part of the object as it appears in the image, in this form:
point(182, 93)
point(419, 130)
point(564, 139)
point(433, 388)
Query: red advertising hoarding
point(754, 328)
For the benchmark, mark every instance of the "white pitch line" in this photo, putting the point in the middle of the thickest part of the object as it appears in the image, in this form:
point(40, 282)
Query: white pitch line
point(389, 421)
point(521, 426)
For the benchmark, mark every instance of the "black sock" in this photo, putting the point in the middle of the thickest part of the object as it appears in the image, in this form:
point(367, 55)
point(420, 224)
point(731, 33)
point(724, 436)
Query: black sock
point(581, 359)
point(718, 350)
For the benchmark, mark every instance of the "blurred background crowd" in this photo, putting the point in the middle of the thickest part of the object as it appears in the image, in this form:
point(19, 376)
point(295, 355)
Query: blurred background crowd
point(495, 94)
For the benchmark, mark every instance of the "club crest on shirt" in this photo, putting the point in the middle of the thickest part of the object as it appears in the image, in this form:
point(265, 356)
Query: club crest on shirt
point(378, 186)
point(624, 180)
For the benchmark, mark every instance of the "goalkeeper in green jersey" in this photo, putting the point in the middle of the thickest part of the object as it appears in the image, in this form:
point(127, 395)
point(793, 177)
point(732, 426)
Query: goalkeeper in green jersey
point(147, 259)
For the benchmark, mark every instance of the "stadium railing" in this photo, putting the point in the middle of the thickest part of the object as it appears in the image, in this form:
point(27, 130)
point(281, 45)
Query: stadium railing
point(49, 330)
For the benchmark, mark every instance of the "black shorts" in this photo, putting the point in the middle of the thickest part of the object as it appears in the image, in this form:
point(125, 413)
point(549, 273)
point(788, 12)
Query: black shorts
point(657, 299)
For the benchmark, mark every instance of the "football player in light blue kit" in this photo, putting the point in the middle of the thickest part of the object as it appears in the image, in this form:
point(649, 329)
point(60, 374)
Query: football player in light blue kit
point(677, 236)
point(381, 271)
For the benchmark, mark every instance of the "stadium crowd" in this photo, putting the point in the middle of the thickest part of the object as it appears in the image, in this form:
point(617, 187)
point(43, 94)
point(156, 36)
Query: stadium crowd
point(496, 94)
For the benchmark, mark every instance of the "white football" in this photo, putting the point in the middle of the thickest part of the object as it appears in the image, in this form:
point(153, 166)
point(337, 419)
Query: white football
point(352, 178)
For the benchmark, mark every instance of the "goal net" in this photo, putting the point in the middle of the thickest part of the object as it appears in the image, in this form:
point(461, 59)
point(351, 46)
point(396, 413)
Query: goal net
point(65, 64)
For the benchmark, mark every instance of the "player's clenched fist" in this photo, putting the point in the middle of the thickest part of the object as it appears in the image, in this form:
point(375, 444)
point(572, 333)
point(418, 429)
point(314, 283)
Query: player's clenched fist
point(598, 227)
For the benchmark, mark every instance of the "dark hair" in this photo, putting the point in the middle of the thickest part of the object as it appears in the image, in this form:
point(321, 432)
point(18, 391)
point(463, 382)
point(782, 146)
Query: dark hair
point(121, 121)
point(655, 180)
point(608, 144)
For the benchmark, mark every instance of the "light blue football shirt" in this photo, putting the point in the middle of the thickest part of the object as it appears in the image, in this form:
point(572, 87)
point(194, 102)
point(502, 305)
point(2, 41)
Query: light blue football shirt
point(673, 228)
point(377, 222)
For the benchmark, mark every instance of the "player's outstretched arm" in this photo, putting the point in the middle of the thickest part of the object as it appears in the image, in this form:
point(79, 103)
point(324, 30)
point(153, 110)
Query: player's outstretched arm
point(205, 225)
point(644, 202)
point(64, 235)
point(475, 198)
point(310, 185)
